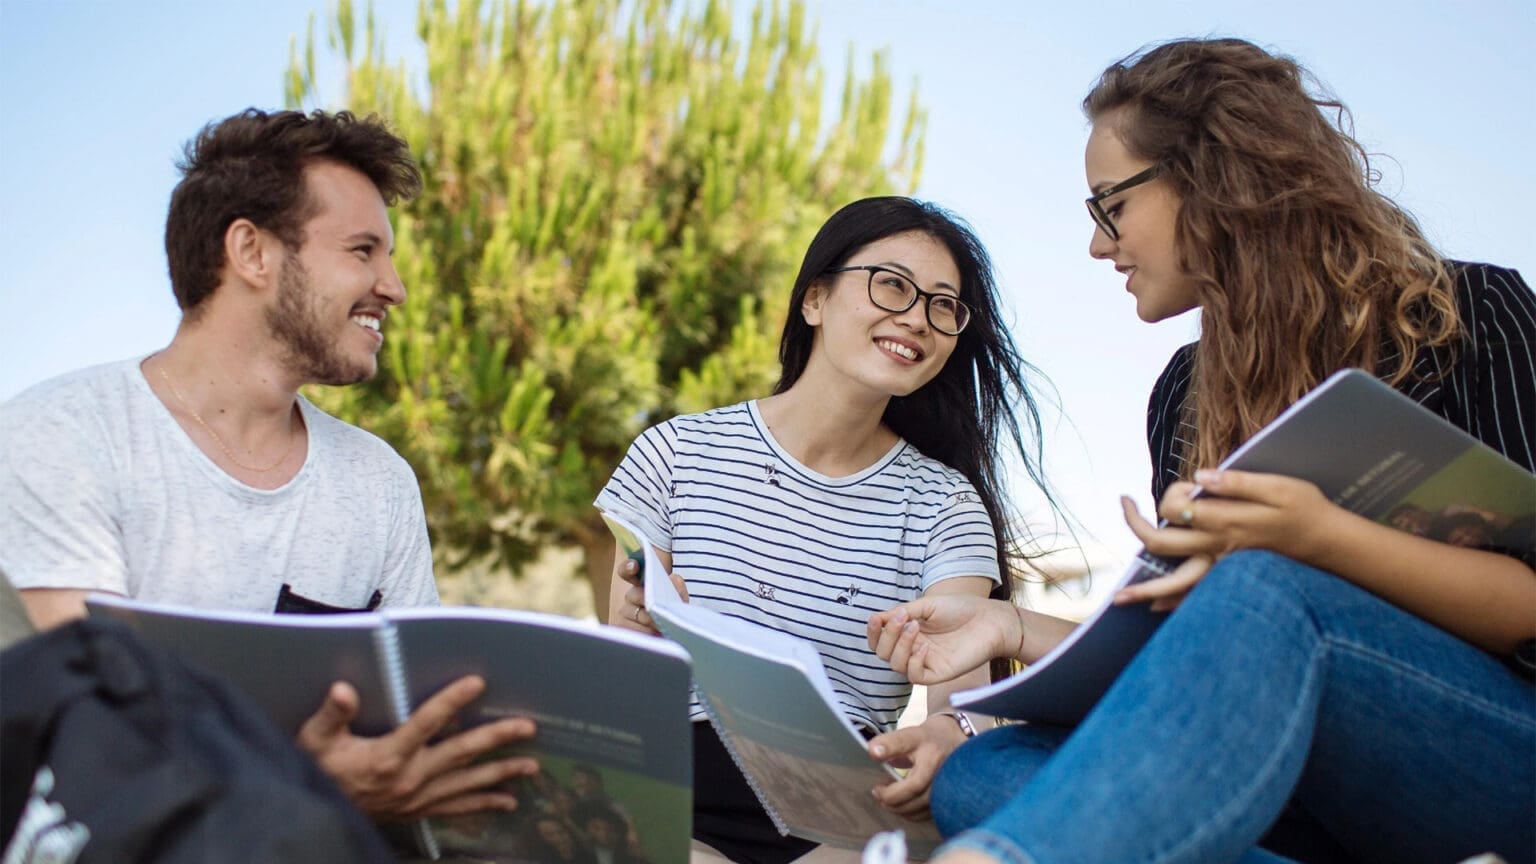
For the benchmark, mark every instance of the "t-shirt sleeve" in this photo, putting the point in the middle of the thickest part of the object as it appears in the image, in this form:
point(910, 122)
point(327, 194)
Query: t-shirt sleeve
point(640, 490)
point(59, 508)
point(408, 579)
point(962, 542)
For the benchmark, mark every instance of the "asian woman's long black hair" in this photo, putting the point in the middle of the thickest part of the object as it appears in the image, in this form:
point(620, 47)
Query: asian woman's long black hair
point(980, 396)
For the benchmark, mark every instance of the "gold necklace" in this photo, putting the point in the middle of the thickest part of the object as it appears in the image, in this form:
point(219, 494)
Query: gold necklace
point(220, 441)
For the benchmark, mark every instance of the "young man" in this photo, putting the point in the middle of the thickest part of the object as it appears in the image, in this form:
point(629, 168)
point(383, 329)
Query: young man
point(198, 475)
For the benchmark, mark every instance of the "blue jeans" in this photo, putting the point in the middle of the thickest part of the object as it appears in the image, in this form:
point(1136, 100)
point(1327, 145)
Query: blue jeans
point(1274, 687)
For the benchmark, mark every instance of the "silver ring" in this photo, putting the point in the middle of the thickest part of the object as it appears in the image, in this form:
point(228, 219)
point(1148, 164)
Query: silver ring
point(1187, 515)
point(635, 615)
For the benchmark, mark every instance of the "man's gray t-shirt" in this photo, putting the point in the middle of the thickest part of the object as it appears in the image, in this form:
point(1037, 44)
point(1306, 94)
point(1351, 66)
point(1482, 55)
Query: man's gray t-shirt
point(101, 489)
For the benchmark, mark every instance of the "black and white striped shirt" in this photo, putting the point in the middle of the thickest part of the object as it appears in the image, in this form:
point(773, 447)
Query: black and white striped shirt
point(759, 536)
point(1485, 386)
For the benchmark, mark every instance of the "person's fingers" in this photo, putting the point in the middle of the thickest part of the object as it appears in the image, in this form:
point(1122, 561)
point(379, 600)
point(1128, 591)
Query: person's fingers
point(1181, 543)
point(428, 719)
point(635, 596)
point(1211, 516)
point(636, 619)
point(409, 784)
point(331, 719)
point(907, 746)
point(901, 651)
point(682, 587)
point(892, 642)
point(924, 764)
point(635, 616)
point(473, 780)
point(907, 797)
point(1175, 500)
point(915, 807)
point(474, 802)
point(890, 631)
point(1153, 589)
point(1250, 486)
point(1175, 538)
point(899, 793)
point(471, 744)
point(629, 571)
point(876, 627)
point(1133, 518)
point(1177, 509)
point(1175, 584)
point(1172, 542)
point(647, 622)
point(898, 640)
point(1168, 604)
point(896, 744)
point(920, 669)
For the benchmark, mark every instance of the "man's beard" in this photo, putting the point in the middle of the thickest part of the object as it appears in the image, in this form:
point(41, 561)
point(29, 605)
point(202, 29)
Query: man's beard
point(309, 348)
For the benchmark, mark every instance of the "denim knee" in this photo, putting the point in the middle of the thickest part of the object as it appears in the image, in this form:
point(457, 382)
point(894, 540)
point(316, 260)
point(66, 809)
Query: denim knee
point(985, 772)
point(1250, 568)
point(1264, 577)
point(952, 797)
point(1259, 578)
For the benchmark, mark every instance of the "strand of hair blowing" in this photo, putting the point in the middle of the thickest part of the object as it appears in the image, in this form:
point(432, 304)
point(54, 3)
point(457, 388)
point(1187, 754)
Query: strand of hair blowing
point(961, 419)
point(1300, 266)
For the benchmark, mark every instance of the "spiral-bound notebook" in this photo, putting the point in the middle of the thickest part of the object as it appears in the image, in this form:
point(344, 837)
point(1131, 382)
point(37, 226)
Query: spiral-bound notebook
point(769, 697)
point(611, 706)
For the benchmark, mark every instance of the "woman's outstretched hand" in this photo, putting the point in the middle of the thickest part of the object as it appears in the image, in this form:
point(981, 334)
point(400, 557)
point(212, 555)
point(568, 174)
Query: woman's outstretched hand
point(936, 638)
point(1239, 510)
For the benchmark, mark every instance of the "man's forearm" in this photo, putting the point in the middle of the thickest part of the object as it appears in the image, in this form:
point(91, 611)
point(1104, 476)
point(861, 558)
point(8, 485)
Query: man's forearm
point(50, 607)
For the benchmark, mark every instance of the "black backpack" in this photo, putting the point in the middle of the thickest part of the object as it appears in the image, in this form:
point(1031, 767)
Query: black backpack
point(115, 751)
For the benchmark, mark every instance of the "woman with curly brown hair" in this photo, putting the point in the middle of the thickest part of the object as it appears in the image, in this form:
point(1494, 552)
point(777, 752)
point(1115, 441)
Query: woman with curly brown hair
point(1327, 689)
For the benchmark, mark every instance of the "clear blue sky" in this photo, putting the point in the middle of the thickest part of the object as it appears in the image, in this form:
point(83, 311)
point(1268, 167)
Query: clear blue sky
point(96, 98)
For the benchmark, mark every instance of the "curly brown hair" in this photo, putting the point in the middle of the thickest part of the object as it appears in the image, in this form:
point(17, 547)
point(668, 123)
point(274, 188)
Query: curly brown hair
point(1300, 265)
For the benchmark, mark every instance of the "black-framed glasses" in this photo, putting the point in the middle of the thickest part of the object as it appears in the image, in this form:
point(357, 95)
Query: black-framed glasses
point(1101, 216)
point(894, 292)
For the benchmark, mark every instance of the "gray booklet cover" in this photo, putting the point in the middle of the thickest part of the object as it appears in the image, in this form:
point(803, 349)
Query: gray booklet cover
point(613, 739)
point(769, 697)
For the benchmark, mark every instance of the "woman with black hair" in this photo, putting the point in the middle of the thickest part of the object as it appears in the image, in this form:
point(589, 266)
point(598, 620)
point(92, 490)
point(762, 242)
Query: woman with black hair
point(869, 477)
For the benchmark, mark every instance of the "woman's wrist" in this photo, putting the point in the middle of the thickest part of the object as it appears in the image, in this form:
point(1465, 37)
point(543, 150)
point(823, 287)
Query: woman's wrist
point(1335, 536)
point(1038, 633)
point(956, 718)
point(1012, 632)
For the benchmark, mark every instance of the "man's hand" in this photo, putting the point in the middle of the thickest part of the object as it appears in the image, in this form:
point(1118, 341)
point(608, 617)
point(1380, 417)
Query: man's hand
point(921, 749)
point(403, 776)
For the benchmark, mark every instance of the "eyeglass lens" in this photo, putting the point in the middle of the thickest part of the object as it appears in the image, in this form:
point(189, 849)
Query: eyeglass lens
point(1101, 219)
point(896, 293)
point(1096, 208)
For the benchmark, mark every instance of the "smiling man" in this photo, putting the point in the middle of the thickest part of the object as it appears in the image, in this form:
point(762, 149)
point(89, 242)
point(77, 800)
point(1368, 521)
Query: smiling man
point(199, 476)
